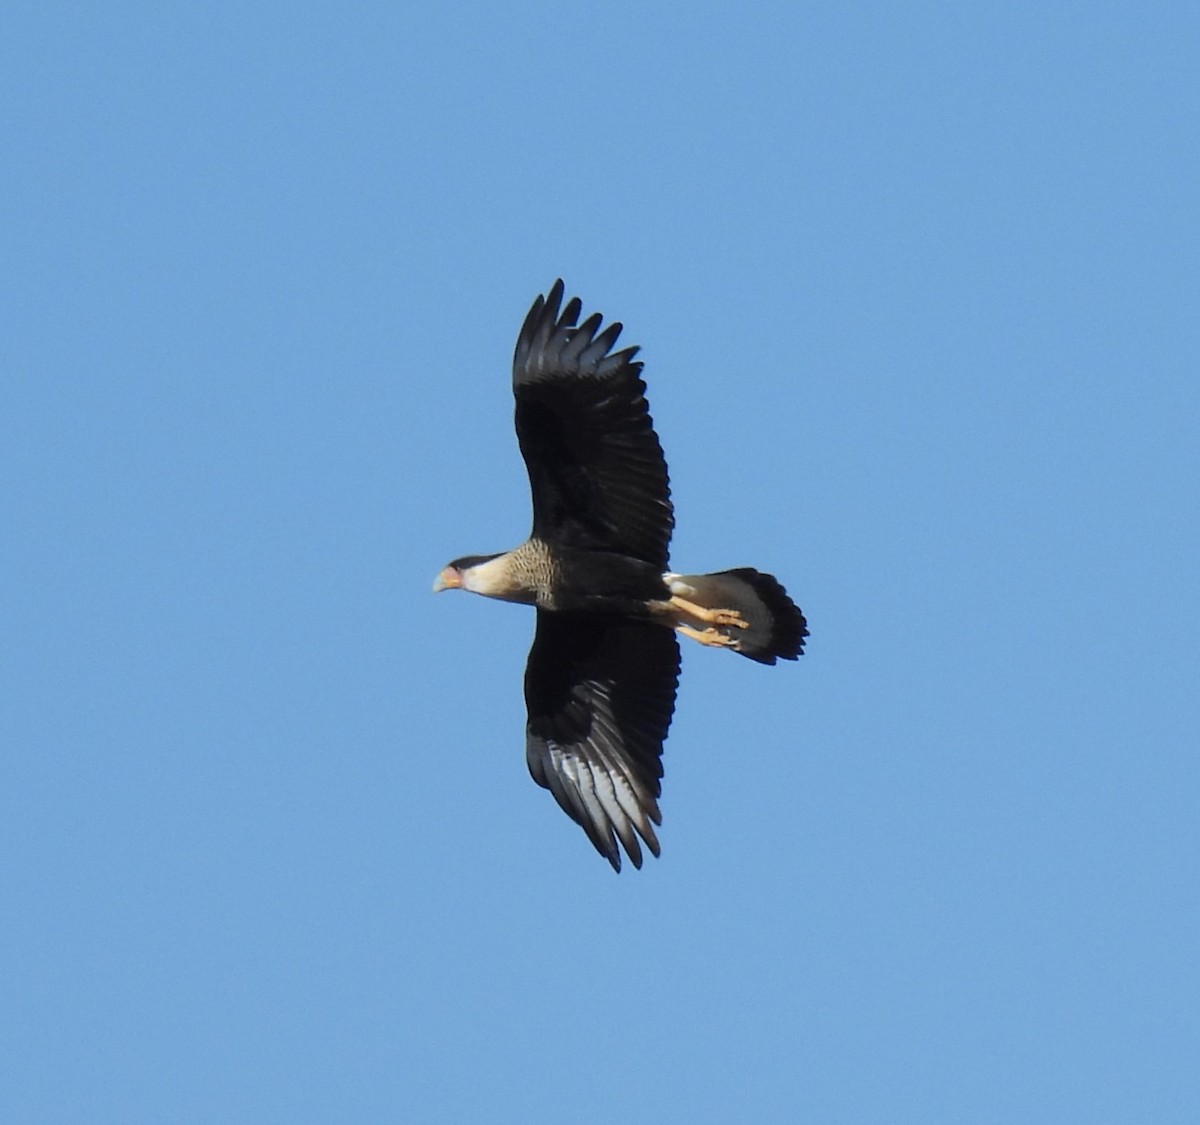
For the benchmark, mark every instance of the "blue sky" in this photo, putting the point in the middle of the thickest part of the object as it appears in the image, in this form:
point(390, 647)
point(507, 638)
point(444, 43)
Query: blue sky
point(917, 291)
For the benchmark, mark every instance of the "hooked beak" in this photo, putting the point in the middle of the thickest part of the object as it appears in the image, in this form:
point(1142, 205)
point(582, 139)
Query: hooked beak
point(449, 579)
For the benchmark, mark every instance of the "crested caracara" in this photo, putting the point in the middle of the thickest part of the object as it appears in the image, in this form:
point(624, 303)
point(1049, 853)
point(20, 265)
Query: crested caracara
point(601, 678)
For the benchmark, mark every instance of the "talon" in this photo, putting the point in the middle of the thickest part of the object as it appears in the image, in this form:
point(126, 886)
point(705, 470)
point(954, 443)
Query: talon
point(710, 616)
point(710, 636)
point(720, 640)
point(730, 617)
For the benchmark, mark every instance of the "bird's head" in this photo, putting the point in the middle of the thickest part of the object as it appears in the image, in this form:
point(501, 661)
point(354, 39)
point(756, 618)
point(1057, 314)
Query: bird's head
point(463, 574)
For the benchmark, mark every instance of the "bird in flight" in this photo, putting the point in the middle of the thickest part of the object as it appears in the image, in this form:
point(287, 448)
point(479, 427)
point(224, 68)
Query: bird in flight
point(602, 674)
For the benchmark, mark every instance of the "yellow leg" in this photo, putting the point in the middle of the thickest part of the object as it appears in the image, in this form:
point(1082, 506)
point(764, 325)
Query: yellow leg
point(709, 637)
point(710, 616)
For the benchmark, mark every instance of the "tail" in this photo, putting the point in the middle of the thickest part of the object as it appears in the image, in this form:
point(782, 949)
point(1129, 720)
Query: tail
point(776, 626)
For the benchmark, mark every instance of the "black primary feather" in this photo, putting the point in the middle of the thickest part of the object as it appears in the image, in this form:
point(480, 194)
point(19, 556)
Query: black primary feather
point(596, 468)
point(600, 692)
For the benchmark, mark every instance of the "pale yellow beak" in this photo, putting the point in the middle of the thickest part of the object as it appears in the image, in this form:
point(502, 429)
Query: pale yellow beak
point(449, 579)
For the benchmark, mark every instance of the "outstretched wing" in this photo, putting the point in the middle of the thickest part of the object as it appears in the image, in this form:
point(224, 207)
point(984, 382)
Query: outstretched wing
point(596, 469)
point(600, 693)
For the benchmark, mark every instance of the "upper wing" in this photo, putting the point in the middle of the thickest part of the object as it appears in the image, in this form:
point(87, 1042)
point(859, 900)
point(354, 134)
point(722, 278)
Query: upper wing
point(596, 468)
point(600, 693)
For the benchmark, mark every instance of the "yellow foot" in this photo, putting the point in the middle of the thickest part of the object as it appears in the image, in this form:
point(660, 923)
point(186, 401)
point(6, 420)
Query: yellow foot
point(710, 637)
point(728, 617)
point(710, 616)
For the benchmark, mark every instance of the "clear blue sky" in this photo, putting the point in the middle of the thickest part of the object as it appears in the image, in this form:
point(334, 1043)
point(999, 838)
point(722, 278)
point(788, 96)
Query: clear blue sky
point(917, 288)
